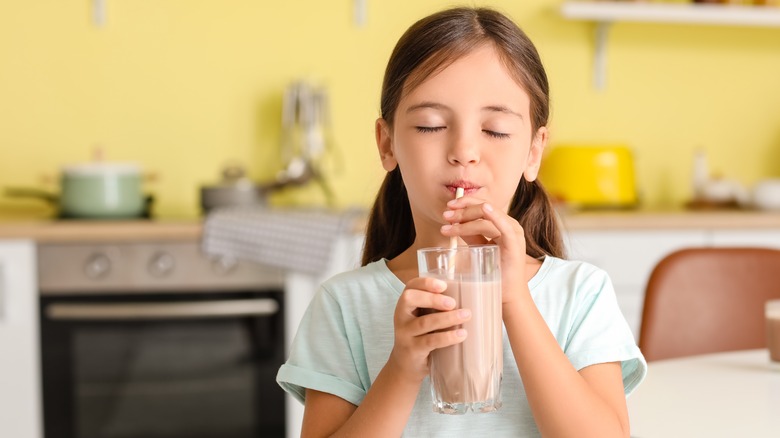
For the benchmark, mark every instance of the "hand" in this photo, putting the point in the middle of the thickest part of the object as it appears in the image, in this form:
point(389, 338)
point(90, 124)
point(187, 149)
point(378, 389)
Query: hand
point(418, 332)
point(476, 222)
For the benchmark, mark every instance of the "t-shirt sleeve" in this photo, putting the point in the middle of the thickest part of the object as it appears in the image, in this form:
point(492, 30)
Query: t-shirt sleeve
point(321, 357)
point(600, 334)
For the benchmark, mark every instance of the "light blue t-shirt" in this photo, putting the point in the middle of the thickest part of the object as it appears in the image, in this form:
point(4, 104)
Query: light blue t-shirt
point(346, 336)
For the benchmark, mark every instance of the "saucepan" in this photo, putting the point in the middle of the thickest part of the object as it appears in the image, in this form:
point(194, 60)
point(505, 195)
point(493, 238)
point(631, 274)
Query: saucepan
point(97, 190)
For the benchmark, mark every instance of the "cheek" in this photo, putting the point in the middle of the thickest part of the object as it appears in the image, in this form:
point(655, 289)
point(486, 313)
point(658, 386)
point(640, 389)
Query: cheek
point(508, 172)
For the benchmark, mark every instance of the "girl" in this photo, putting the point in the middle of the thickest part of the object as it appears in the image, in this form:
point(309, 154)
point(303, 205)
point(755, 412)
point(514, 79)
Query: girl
point(465, 103)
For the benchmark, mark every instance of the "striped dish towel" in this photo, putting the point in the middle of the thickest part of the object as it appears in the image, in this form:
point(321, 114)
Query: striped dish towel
point(301, 240)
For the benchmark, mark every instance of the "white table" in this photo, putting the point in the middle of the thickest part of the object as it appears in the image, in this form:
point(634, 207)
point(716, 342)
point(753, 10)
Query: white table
point(733, 394)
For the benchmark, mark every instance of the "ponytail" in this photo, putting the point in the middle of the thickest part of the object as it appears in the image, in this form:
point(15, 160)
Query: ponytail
point(390, 228)
point(531, 207)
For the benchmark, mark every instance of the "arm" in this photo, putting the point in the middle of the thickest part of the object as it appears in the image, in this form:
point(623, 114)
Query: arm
point(383, 412)
point(389, 402)
point(564, 402)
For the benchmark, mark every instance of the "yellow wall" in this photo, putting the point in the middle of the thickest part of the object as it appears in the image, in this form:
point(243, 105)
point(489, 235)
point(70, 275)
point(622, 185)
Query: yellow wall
point(185, 86)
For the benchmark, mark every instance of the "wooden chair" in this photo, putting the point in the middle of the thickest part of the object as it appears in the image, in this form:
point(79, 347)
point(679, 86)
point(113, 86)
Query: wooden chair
point(706, 300)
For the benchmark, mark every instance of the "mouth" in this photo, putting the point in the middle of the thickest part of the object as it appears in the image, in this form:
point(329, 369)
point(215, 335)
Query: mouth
point(468, 187)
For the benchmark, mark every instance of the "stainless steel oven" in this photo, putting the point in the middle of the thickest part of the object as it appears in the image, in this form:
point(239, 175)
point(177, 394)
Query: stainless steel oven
point(156, 340)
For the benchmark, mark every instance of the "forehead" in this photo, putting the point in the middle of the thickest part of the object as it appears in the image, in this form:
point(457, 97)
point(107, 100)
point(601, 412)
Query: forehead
point(480, 74)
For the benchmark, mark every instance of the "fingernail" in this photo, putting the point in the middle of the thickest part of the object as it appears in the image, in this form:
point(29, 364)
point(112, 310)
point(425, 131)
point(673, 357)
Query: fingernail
point(448, 302)
point(440, 285)
point(464, 313)
point(461, 333)
point(452, 202)
point(488, 207)
point(446, 227)
point(449, 213)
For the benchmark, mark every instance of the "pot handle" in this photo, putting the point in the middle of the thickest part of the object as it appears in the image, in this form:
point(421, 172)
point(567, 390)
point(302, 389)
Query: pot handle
point(23, 192)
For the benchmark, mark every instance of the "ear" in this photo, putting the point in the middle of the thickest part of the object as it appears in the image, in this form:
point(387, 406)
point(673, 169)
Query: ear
point(384, 144)
point(538, 144)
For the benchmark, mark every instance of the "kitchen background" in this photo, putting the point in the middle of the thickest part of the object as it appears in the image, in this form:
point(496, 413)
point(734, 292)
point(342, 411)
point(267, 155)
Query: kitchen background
point(188, 87)
point(185, 87)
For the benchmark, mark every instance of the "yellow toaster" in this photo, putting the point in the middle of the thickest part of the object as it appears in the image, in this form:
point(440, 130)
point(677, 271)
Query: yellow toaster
point(590, 176)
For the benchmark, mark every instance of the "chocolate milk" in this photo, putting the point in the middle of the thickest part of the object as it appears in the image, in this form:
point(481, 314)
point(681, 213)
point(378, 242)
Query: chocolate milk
point(468, 375)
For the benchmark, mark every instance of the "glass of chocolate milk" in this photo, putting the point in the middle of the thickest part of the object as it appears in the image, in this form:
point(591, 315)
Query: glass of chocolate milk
point(772, 313)
point(467, 376)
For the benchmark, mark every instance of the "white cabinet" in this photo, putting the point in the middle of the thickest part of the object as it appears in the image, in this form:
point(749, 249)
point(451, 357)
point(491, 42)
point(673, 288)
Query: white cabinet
point(760, 238)
point(20, 409)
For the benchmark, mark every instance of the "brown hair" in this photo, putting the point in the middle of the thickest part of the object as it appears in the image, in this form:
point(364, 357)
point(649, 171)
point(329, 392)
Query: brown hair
point(429, 46)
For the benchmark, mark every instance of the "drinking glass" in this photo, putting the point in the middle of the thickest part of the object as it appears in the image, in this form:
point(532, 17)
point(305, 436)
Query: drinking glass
point(467, 376)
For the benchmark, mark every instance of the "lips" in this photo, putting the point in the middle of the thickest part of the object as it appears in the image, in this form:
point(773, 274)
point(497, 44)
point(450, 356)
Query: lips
point(468, 186)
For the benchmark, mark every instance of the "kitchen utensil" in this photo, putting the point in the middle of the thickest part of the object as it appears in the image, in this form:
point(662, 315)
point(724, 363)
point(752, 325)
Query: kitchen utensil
point(305, 131)
point(96, 190)
point(102, 190)
point(235, 189)
point(590, 176)
point(305, 118)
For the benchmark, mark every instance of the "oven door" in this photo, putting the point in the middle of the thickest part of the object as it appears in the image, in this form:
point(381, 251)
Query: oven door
point(196, 365)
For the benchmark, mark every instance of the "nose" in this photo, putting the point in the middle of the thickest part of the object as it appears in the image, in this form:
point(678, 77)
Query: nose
point(463, 150)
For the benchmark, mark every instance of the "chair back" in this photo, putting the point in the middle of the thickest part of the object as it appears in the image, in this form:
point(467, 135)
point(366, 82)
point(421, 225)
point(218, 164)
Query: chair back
point(707, 300)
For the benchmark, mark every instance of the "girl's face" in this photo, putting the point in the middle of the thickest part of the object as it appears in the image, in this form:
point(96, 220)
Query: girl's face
point(468, 126)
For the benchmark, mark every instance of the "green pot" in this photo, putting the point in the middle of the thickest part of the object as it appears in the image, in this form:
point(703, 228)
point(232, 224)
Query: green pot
point(102, 190)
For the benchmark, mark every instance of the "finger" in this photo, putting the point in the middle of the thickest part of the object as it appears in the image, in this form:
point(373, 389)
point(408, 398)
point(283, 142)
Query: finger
point(438, 321)
point(465, 208)
point(414, 299)
point(466, 214)
point(508, 228)
point(432, 341)
point(421, 293)
point(429, 284)
point(482, 229)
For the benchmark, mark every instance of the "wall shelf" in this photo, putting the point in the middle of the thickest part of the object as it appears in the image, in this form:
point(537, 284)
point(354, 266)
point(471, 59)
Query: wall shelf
point(604, 13)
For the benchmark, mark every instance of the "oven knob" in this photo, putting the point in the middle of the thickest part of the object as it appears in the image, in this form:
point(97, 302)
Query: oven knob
point(161, 265)
point(224, 264)
point(98, 266)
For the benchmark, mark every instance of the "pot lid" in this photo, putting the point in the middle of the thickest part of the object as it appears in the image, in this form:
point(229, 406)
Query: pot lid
point(102, 169)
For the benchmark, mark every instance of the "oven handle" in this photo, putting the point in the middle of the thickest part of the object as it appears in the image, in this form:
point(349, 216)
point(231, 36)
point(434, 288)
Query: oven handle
point(151, 311)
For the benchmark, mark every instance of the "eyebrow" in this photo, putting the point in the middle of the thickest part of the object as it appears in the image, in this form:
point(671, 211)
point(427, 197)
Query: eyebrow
point(502, 109)
point(438, 106)
point(423, 105)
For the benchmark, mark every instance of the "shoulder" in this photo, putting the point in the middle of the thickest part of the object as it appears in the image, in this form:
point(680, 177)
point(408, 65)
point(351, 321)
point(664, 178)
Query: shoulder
point(564, 285)
point(367, 283)
point(575, 273)
point(375, 273)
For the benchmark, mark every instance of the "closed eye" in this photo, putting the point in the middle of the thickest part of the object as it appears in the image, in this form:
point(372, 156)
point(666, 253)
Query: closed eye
point(495, 134)
point(426, 129)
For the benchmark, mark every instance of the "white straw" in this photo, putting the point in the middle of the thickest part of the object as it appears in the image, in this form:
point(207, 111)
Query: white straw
point(453, 239)
point(453, 243)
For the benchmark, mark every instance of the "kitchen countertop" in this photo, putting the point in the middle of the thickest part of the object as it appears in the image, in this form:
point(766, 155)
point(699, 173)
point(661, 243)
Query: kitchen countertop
point(673, 219)
point(61, 231)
